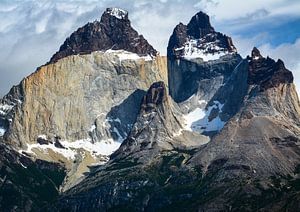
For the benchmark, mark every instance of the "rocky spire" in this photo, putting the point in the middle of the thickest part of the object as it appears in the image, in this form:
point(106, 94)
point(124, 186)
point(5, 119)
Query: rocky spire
point(156, 117)
point(113, 31)
point(156, 95)
point(199, 26)
point(255, 54)
point(265, 72)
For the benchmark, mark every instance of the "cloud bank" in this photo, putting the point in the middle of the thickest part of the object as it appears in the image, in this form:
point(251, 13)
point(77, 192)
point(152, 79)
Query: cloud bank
point(32, 31)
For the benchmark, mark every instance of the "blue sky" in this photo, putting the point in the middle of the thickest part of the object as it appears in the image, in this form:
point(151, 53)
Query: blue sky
point(32, 31)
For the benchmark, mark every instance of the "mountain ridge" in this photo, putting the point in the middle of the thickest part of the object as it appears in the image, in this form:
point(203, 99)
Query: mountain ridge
point(201, 129)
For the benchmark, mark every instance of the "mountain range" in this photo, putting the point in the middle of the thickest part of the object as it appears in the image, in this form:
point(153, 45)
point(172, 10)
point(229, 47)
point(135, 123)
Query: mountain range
point(108, 124)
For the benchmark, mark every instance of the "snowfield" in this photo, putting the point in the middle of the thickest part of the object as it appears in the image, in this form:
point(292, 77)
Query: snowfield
point(198, 121)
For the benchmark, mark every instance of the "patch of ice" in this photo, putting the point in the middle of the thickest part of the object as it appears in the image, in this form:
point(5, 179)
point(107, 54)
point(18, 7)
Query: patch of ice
point(198, 121)
point(256, 58)
point(117, 12)
point(193, 117)
point(104, 147)
point(120, 138)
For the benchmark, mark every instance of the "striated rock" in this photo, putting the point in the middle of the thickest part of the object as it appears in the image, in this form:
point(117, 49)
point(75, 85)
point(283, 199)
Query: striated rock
point(156, 96)
point(113, 31)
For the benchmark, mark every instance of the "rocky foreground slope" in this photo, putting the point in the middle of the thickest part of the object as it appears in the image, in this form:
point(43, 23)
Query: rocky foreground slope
point(200, 130)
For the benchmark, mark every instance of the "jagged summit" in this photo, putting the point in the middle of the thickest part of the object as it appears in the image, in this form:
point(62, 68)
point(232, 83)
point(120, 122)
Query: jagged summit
point(198, 39)
point(255, 54)
point(267, 73)
point(113, 31)
point(199, 25)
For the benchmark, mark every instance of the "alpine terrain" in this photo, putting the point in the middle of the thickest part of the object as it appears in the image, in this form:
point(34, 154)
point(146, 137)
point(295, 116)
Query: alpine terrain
point(110, 125)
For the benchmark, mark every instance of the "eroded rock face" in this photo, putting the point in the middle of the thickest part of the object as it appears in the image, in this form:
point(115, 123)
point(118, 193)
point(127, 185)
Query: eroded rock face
point(113, 31)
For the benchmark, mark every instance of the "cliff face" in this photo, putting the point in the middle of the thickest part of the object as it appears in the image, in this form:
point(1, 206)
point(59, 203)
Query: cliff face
point(64, 99)
point(92, 100)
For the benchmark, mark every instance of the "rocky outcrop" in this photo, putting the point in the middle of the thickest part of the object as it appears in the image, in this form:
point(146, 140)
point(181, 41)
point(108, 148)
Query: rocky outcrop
point(196, 52)
point(266, 72)
point(158, 121)
point(113, 31)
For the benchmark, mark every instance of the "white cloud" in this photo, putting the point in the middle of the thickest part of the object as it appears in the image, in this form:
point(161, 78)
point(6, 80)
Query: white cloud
point(233, 9)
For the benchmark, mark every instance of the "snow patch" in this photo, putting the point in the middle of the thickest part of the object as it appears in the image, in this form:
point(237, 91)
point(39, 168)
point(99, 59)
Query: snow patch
point(5, 108)
point(93, 127)
point(25, 167)
point(102, 148)
point(200, 48)
point(42, 137)
point(125, 55)
point(117, 12)
point(2, 131)
point(197, 120)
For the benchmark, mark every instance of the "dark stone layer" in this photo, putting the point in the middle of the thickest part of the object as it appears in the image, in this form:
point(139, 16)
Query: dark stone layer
point(267, 73)
point(110, 32)
point(155, 96)
point(198, 28)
